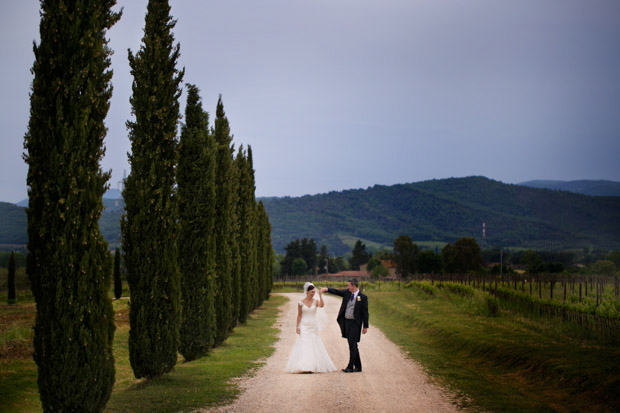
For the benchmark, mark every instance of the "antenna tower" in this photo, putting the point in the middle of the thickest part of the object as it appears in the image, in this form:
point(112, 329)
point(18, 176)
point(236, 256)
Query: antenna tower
point(119, 184)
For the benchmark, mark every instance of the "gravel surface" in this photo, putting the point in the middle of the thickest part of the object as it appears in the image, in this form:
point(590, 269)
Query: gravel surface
point(389, 383)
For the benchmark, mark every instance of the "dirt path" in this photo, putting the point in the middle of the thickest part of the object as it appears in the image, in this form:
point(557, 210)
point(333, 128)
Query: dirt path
point(389, 382)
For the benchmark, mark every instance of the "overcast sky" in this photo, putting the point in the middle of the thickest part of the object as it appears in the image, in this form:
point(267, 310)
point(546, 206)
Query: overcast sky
point(345, 94)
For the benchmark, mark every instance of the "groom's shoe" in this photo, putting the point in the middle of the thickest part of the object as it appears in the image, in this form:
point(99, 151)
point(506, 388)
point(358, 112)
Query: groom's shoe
point(348, 370)
point(357, 370)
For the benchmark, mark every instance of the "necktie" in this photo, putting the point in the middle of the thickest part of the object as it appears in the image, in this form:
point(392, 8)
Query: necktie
point(352, 295)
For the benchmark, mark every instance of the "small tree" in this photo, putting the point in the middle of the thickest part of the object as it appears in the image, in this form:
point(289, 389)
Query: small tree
point(604, 267)
point(380, 271)
point(293, 250)
point(614, 257)
point(118, 283)
point(299, 266)
point(405, 256)
point(533, 262)
point(429, 262)
point(11, 279)
point(372, 263)
point(464, 256)
point(309, 252)
point(359, 256)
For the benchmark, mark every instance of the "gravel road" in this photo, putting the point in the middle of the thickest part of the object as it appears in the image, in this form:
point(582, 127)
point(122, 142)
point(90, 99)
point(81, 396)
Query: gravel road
point(389, 383)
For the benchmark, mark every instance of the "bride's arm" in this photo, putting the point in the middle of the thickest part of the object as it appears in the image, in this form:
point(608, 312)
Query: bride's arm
point(298, 317)
point(320, 304)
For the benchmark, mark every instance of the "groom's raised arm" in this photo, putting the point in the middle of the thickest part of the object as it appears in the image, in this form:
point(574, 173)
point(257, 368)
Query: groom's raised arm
point(334, 291)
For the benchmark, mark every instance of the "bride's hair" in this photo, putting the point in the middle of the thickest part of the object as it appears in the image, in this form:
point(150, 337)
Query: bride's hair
point(308, 287)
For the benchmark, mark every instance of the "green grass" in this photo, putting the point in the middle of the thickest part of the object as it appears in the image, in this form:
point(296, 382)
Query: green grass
point(201, 383)
point(498, 363)
point(18, 372)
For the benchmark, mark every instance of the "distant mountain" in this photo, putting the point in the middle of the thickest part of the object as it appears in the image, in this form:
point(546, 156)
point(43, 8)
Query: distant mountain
point(444, 211)
point(586, 187)
point(13, 229)
point(431, 212)
point(109, 194)
point(113, 194)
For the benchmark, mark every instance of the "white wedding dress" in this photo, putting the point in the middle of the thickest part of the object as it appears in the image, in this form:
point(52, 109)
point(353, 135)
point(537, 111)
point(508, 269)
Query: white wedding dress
point(309, 354)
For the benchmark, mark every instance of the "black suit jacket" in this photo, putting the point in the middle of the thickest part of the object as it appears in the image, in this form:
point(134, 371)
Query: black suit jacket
point(360, 311)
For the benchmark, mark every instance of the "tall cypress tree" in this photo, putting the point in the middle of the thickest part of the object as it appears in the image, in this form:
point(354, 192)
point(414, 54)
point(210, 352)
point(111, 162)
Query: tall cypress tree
point(68, 262)
point(264, 252)
point(149, 226)
point(224, 223)
point(247, 234)
point(235, 250)
point(196, 189)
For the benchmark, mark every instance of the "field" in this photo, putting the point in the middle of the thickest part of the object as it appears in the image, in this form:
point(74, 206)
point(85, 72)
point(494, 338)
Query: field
point(500, 358)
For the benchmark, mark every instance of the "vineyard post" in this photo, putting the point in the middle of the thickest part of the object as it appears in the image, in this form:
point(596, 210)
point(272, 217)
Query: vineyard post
point(564, 298)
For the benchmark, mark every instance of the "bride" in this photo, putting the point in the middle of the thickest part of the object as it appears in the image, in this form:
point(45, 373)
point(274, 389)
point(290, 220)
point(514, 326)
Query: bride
point(309, 354)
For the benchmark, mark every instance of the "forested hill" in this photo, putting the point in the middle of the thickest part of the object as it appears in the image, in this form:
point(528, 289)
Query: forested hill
point(599, 187)
point(431, 211)
point(446, 210)
point(13, 227)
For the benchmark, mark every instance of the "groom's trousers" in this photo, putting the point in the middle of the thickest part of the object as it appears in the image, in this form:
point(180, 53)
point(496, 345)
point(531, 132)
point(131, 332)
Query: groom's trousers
point(352, 328)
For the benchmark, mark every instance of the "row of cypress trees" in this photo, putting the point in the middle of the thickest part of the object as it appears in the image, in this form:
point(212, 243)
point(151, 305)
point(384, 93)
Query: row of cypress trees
point(183, 236)
point(197, 245)
point(223, 247)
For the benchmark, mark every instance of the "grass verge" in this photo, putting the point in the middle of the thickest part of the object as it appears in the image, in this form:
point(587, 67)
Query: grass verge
point(205, 382)
point(504, 362)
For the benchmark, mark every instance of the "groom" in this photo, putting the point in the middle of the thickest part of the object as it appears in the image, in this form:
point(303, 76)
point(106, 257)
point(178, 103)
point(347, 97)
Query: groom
point(353, 320)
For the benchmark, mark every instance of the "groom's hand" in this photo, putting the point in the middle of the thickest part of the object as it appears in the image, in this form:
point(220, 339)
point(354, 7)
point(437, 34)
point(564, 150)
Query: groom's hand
point(323, 290)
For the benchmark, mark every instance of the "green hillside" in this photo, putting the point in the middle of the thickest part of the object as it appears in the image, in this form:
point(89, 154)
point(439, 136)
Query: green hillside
point(13, 227)
point(431, 212)
point(445, 210)
point(587, 187)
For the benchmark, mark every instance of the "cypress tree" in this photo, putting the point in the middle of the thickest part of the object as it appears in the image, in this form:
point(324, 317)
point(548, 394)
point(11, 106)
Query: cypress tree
point(11, 279)
point(149, 226)
point(235, 250)
point(247, 234)
point(264, 253)
point(224, 223)
point(68, 263)
point(118, 283)
point(196, 189)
